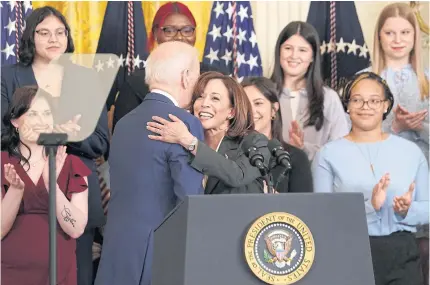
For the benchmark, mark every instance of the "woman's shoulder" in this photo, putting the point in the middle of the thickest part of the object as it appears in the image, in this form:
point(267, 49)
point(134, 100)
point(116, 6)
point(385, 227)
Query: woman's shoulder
point(408, 147)
point(76, 166)
point(7, 158)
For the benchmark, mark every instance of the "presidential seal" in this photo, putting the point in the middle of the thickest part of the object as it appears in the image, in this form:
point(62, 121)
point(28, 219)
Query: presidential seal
point(279, 248)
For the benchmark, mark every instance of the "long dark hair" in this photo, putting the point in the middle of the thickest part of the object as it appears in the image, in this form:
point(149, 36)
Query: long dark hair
point(27, 47)
point(314, 81)
point(269, 91)
point(19, 105)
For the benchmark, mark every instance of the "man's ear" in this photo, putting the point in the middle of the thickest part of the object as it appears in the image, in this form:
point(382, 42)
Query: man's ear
point(185, 79)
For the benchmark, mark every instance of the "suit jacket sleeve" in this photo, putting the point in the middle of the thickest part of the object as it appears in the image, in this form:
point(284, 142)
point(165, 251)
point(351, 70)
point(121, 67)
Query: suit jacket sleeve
point(186, 180)
point(234, 173)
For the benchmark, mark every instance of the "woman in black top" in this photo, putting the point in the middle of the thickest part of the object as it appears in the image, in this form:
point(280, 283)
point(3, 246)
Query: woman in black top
point(267, 119)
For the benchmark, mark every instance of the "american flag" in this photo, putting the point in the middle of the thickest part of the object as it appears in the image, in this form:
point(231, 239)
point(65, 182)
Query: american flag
point(343, 49)
point(124, 34)
point(13, 14)
point(231, 42)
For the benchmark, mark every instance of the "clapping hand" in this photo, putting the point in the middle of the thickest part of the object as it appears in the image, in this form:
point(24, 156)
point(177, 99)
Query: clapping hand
point(59, 163)
point(379, 193)
point(401, 204)
point(405, 120)
point(12, 177)
point(296, 135)
point(71, 127)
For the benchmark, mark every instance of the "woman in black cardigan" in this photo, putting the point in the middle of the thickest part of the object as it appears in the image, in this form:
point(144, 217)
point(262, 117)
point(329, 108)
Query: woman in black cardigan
point(267, 120)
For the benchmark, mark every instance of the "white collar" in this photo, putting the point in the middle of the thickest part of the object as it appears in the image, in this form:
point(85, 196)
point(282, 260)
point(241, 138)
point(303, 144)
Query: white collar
point(164, 93)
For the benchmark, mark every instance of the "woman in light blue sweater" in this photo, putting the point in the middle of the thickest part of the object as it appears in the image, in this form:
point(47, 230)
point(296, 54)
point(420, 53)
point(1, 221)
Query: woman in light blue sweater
point(391, 172)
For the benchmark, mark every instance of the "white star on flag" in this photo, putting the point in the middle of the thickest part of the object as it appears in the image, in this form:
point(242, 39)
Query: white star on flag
point(213, 55)
point(219, 9)
point(215, 33)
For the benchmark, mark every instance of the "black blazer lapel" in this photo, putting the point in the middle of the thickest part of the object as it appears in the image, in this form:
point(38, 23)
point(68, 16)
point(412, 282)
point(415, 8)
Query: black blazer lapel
point(228, 148)
point(25, 76)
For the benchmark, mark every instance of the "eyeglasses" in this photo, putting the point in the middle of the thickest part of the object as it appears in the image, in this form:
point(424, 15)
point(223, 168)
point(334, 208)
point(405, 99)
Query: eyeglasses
point(171, 32)
point(47, 34)
point(358, 103)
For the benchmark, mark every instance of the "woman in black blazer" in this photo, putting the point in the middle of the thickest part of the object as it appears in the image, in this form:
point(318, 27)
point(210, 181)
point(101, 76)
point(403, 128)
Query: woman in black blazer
point(267, 119)
point(222, 107)
point(46, 37)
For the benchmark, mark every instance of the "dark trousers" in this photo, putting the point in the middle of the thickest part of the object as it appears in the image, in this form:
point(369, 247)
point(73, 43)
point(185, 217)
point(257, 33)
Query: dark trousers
point(423, 244)
point(84, 257)
point(396, 259)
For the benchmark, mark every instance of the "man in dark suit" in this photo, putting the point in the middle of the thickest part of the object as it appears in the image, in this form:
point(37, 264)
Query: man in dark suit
point(149, 178)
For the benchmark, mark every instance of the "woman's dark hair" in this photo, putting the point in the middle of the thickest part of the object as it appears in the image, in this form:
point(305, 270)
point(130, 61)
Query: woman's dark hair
point(242, 123)
point(269, 91)
point(27, 48)
point(375, 77)
point(19, 105)
point(314, 81)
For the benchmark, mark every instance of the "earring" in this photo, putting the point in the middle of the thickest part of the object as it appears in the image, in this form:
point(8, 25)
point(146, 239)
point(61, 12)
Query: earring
point(347, 111)
point(273, 117)
point(16, 129)
point(386, 111)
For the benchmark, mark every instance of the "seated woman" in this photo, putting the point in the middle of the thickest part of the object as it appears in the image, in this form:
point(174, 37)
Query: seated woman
point(390, 171)
point(262, 94)
point(222, 107)
point(25, 196)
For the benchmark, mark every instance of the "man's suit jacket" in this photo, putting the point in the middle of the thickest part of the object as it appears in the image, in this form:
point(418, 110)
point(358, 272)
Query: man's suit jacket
point(96, 145)
point(229, 171)
point(148, 179)
point(134, 90)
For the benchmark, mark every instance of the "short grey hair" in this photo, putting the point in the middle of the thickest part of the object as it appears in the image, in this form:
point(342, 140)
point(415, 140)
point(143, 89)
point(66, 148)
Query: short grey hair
point(166, 63)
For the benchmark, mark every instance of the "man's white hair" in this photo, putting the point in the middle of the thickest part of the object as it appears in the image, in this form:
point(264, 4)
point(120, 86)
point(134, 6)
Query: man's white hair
point(168, 61)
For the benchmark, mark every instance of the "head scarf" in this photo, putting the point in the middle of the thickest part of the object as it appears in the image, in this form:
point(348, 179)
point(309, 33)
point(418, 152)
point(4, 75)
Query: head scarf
point(165, 11)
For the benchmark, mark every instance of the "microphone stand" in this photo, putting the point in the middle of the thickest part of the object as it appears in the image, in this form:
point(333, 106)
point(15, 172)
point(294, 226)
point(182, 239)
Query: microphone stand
point(51, 142)
point(269, 181)
point(281, 177)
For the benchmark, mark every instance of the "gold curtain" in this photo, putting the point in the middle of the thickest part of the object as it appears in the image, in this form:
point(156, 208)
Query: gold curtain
point(86, 19)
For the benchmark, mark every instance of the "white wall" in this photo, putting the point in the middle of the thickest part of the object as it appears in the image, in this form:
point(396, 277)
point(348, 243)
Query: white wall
point(270, 17)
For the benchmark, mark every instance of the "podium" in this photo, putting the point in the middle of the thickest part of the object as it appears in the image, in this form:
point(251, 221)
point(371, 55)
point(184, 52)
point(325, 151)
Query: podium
point(293, 238)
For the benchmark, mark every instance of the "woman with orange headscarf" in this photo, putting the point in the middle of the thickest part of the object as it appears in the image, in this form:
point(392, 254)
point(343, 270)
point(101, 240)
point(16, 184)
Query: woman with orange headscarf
point(172, 22)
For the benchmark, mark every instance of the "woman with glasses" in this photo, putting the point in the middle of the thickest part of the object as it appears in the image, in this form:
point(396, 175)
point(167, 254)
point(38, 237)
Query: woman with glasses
point(46, 37)
point(390, 171)
point(172, 22)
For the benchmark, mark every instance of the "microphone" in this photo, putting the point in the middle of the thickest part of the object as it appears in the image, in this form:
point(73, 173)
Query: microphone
point(255, 157)
point(282, 156)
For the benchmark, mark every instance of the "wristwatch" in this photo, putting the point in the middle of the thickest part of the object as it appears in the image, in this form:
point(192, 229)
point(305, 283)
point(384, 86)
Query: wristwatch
point(192, 145)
